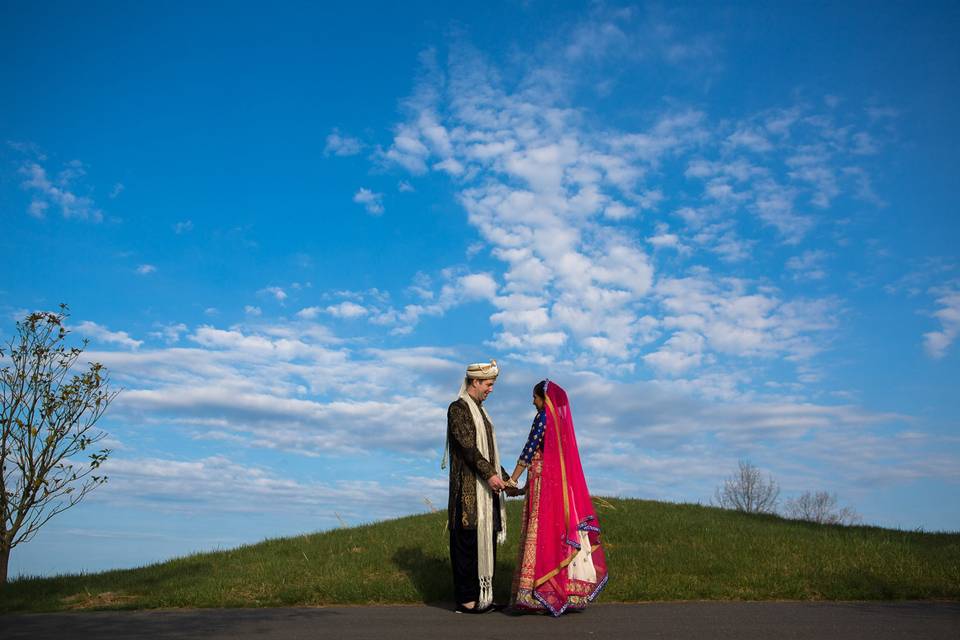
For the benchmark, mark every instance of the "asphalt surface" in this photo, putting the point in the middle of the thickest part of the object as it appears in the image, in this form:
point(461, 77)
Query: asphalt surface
point(683, 620)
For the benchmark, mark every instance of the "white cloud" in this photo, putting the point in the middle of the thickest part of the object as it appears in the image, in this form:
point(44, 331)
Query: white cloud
point(618, 211)
point(751, 139)
point(813, 164)
point(372, 202)
point(479, 286)
point(183, 226)
point(457, 288)
point(864, 144)
point(287, 388)
point(117, 190)
point(58, 191)
point(682, 352)
point(220, 484)
point(595, 39)
point(808, 265)
point(405, 187)
point(451, 166)
point(309, 313)
point(102, 334)
point(170, 333)
point(802, 164)
point(936, 343)
point(775, 205)
point(735, 321)
point(882, 113)
point(686, 440)
point(408, 151)
point(863, 186)
point(347, 309)
point(38, 208)
point(146, 269)
point(537, 227)
point(546, 190)
point(277, 293)
point(342, 145)
point(251, 310)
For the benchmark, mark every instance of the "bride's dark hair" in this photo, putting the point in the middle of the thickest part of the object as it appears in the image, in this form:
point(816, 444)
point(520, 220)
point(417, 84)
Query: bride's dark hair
point(540, 390)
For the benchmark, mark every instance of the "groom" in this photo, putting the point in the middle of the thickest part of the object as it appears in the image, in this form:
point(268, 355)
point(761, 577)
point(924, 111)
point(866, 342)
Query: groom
point(477, 517)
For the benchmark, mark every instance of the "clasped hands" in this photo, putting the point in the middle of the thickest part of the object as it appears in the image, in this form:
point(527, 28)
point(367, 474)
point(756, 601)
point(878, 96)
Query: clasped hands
point(510, 487)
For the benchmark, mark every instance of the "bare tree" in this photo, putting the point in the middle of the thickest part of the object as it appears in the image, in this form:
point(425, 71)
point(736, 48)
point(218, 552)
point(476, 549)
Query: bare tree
point(48, 409)
point(820, 507)
point(747, 491)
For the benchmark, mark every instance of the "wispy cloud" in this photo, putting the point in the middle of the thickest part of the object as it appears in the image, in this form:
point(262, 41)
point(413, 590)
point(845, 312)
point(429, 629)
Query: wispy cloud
point(547, 192)
point(99, 333)
point(58, 191)
point(734, 318)
point(183, 226)
point(294, 387)
point(372, 202)
point(277, 293)
point(342, 145)
point(347, 309)
point(936, 343)
point(225, 485)
point(808, 265)
point(251, 381)
point(170, 333)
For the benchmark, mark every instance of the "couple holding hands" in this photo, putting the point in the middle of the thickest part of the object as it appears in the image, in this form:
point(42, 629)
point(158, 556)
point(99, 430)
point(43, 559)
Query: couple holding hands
point(560, 562)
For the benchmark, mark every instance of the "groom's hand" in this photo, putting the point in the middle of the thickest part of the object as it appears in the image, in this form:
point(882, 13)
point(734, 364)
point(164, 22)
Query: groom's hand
point(496, 483)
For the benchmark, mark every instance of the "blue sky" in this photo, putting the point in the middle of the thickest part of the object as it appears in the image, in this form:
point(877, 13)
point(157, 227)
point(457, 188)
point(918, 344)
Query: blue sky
point(729, 231)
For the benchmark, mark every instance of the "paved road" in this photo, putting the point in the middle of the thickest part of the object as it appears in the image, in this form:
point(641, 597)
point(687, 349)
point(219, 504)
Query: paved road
point(681, 620)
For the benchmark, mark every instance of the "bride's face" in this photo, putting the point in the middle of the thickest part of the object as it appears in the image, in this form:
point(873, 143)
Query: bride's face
point(537, 402)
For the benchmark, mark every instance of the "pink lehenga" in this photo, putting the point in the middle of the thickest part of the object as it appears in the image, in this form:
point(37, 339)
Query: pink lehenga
point(561, 564)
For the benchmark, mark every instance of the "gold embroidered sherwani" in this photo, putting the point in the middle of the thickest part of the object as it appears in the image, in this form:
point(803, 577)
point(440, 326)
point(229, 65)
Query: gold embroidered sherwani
point(466, 464)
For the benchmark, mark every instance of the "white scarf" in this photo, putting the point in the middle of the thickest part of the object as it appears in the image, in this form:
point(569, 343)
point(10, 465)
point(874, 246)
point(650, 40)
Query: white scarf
point(484, 501)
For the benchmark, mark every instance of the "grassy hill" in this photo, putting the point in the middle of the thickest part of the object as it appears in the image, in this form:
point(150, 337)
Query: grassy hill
point(655, 551)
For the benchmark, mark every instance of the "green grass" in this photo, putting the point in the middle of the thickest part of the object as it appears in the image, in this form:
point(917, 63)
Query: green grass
point(655, 551)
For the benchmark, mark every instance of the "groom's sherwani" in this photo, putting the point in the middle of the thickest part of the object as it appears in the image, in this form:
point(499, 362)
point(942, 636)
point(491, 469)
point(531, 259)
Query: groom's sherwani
point(466, 464)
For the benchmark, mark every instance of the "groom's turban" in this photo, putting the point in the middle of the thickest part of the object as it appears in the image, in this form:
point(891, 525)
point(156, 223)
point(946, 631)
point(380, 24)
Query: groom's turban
point(483, 370)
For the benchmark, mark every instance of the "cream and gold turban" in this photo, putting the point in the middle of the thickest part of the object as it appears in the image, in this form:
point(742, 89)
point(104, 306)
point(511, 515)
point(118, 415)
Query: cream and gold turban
point(483, 370)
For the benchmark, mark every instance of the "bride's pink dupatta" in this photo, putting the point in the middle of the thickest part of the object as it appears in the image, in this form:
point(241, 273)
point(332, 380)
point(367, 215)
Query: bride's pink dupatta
point(565, 510)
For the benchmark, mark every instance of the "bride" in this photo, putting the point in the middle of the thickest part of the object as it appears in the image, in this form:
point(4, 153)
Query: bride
point(561, 564)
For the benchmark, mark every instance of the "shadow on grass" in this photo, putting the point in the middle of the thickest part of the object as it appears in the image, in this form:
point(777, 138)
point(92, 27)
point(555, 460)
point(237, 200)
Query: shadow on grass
point(432, 579)
point(430, 576)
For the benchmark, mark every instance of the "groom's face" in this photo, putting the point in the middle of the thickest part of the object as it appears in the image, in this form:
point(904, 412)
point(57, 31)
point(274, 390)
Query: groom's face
point(482, 388)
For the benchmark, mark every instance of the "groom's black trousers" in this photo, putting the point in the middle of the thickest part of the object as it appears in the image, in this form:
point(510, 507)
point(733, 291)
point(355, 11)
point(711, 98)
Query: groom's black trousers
point(463, 558)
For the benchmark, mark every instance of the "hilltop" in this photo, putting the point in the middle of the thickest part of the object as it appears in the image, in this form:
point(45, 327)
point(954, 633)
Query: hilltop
point(655, 550)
